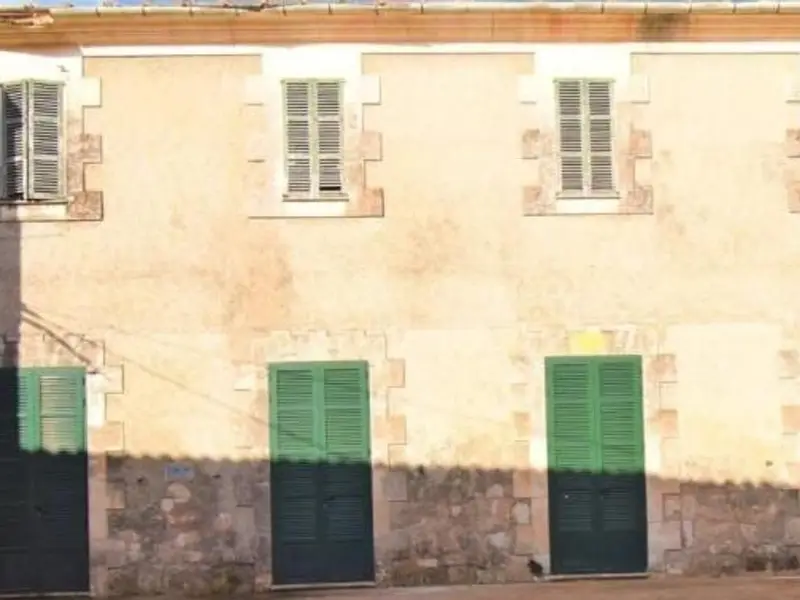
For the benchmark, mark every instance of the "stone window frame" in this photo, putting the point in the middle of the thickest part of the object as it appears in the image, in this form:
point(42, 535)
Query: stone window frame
point(265, 184)
point(80, 148)
point(632, 150)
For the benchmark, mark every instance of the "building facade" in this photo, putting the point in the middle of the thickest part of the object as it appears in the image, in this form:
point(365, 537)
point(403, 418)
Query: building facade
point(404, 296)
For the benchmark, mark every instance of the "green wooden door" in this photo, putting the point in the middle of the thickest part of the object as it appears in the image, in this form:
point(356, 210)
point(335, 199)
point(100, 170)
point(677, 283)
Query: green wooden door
point(43, 481)
point(596, 477)
point(321, 477)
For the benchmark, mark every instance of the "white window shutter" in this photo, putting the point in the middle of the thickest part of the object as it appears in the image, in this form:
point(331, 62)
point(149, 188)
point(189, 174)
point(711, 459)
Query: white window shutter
point(314, 127)
point(570, 129)
point(45, 179)
point(329, 138)
point(600, 137)
point(297, 113)
point(15, 140)
point(585, 136)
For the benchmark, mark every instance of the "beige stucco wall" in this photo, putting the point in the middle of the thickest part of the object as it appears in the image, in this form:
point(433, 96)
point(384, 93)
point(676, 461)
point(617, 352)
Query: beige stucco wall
point(455, 295)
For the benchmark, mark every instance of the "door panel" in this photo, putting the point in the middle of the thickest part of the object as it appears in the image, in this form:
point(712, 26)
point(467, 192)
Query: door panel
point(298, 556)
point(572, 459)
point(330, 412)
point(623, 518)
point(60, 481)
point(16, 523)
point(45, 516)
point(348, 473)
point(598, 521)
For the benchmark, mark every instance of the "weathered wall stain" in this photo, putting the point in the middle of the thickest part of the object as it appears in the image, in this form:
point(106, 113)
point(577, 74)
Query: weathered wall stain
point(430, 249)
point(662, 27)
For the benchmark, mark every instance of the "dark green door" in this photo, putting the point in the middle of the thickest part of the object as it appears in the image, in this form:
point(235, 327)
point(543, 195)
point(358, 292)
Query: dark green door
point(44, 538)
point(596, 475)
point(321, 476)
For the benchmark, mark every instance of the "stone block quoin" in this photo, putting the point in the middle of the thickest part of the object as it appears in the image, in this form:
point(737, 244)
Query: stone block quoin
point(789, 380)
point(84, 152)
point(791, 146)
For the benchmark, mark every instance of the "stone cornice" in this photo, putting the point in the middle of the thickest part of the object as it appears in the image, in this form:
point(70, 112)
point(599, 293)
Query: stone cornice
point(224, 27)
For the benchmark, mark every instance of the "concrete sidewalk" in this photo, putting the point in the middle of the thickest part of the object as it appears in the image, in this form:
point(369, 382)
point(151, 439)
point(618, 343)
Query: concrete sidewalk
point(656, 588)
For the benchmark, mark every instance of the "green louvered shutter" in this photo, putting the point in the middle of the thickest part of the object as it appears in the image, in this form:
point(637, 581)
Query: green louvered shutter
point(61, 411)
point(295, 463)
point(623, 514)
point(347, 472)
point(15, 134)
point(60, 478)
point(321, 479)
point(17, 570)
point(43, 439)
point(598, 518)
point(573, 464)
point(27, 382)
point(45, 180)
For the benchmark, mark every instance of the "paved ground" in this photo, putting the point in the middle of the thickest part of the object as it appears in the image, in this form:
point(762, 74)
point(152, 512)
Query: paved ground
point(728, 588)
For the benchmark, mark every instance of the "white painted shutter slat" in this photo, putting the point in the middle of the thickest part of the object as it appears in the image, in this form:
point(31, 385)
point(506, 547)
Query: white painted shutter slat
point(329, 136)
point(45, 179)
point(297, 110)
point(569, 107)
point(600, 137)
point(15, 117)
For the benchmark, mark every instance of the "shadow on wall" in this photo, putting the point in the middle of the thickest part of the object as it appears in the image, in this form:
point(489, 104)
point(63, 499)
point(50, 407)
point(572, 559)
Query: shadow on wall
point(13, 494)
point(200, 526)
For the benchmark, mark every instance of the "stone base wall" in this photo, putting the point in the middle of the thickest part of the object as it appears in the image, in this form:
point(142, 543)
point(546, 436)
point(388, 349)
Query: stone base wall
point(205, 535)
point(459, 526)
point(730, 529)
point(188, 527)
point(741, 514)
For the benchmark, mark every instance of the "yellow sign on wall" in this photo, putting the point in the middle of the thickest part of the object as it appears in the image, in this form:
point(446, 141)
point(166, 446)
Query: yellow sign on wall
point(591, 341)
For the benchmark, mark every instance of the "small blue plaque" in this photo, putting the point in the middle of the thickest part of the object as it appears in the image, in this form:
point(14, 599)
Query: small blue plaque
point(178, 472)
